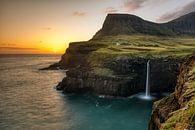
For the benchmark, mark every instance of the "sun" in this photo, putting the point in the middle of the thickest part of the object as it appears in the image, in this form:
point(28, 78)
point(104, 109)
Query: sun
point(55, 51)
point(55, 44)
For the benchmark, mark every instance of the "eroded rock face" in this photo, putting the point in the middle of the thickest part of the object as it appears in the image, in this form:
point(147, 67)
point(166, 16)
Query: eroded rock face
point(177, 111)
point(79, 81)
point(129, 75)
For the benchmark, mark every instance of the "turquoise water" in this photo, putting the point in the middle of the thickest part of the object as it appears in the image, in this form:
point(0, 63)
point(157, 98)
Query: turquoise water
point(29, 101)
point(96, 113)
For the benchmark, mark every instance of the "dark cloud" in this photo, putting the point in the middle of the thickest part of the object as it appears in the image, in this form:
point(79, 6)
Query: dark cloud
point(78, 13)
point(179, 12)
point(111, 10)
point(131, 5)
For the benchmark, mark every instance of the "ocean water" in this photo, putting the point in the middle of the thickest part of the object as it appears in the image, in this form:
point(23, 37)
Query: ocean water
point(29, 101)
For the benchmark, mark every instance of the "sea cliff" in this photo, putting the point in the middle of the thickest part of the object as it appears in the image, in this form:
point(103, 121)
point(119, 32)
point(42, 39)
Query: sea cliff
point(177, 111)
point(115, 75)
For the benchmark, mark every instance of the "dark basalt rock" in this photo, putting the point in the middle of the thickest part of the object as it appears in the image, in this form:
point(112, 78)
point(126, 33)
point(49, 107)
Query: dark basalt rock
point(129, 77)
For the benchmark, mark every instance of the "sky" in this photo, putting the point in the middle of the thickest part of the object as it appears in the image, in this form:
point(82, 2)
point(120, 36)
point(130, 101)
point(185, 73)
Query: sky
point(48, 26)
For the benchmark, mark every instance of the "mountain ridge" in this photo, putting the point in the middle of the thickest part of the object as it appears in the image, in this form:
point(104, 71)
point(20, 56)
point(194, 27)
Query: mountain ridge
point(127, 24)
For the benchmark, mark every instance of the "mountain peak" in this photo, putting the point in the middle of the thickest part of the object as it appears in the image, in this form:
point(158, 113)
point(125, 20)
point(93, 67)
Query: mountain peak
point(128, 24)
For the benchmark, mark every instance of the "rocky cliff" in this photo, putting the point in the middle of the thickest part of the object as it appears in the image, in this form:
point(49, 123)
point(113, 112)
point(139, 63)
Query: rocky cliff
point(114, 61)
point(115, 72)
point(177, 111)
point(122, 77)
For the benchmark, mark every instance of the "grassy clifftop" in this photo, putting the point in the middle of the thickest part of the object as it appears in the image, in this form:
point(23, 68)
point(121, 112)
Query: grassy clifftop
point(140, 46)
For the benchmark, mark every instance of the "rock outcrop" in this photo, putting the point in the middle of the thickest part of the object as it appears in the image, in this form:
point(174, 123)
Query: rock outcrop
point(177, 111)
point(118, 76)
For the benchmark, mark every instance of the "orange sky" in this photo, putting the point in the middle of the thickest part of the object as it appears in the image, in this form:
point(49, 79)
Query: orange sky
point(47, 26)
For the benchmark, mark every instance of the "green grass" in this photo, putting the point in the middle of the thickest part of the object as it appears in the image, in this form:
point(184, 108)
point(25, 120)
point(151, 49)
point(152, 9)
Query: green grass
point(143, 46)
point(186, 115)
point(103, 71)
point(140, 45)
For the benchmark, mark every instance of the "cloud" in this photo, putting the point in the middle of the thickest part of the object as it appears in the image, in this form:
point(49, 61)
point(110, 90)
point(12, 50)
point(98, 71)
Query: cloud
point(18, 48)
point(177, 13)
point(78, 13)
point(111, 10)
point(7, 44)
point(131, 5)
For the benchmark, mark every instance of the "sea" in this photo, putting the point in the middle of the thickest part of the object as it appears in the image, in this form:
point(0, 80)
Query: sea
point(29, 101)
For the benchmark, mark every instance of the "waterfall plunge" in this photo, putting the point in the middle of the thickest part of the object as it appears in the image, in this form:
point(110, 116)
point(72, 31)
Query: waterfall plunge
point(147, 94)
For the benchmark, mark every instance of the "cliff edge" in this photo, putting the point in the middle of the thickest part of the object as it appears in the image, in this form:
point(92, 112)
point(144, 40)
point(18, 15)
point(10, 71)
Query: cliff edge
point(177, 111)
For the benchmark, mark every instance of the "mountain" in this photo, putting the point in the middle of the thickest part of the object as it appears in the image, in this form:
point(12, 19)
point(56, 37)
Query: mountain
point(184, 25)
point(126, 24)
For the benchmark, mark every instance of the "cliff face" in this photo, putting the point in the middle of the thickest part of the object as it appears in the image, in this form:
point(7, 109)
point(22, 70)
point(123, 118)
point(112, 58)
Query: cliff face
point(177, 111)
point(114, 75)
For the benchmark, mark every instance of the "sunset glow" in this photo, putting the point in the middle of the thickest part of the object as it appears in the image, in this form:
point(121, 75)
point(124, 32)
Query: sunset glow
point(48, 26)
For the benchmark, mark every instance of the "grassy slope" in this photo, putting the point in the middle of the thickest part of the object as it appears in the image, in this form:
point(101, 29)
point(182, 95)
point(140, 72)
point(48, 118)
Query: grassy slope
point(152, 45)
point(181, 118)
point(138, 46)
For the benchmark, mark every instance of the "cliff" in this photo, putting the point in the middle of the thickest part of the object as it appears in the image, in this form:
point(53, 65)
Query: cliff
point(114, 61)
point(122, 77)
point(117, 65)
point(177, 111)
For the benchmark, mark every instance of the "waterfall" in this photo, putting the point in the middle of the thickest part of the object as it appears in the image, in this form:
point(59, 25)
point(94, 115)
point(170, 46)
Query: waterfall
point(147, 94)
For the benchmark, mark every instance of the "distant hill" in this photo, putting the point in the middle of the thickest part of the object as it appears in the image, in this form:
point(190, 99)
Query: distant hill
point(184, 25)
point(126, 24)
